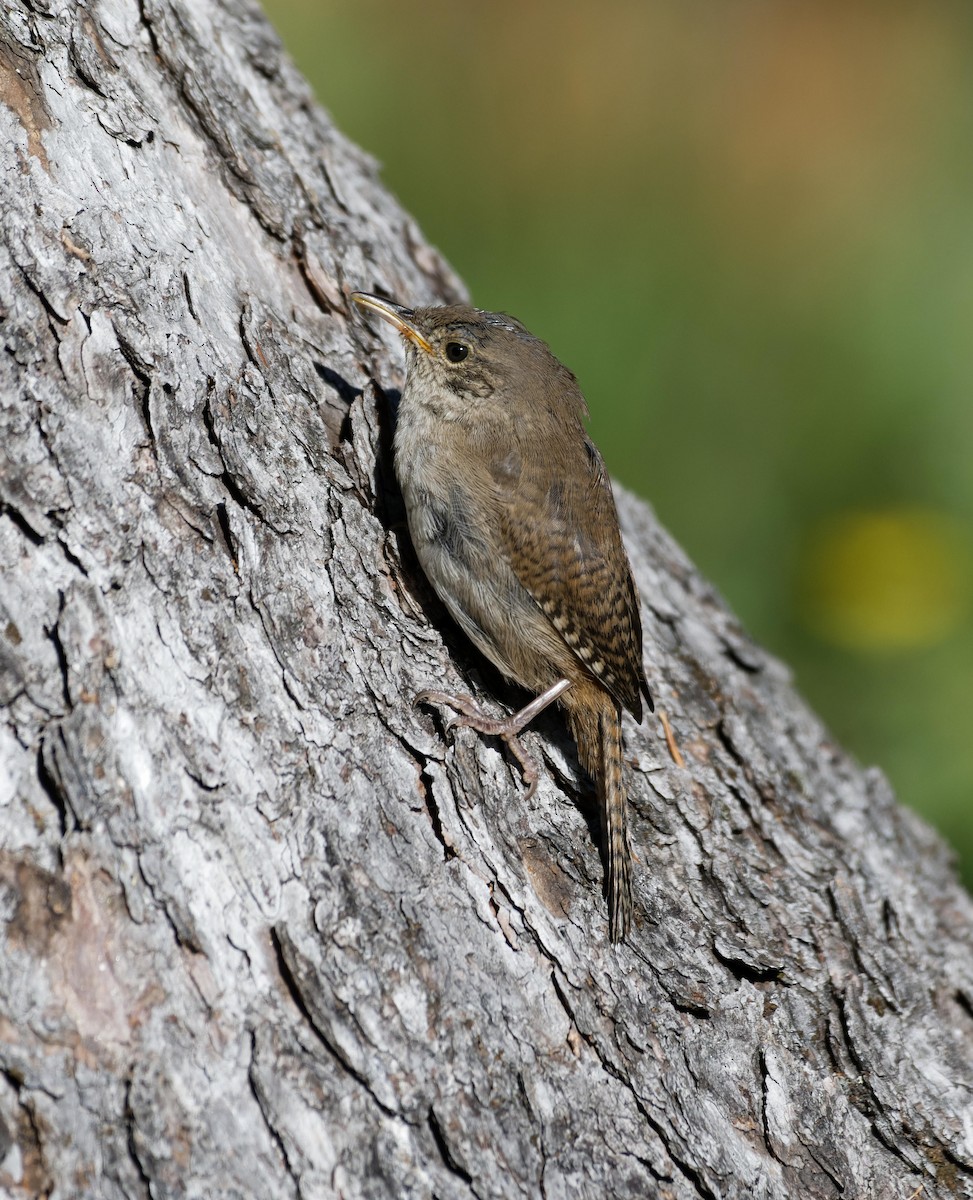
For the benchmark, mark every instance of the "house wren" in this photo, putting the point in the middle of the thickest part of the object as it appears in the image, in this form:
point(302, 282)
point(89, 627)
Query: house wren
point(513, 520)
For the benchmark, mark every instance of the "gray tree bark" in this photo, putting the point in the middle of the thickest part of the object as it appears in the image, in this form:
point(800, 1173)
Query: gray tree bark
point(265, 932)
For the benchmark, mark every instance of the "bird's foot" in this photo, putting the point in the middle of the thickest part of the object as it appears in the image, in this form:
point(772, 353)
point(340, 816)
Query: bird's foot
point(469, 714)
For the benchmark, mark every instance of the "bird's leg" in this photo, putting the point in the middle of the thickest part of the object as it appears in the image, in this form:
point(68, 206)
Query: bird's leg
point(508, 730)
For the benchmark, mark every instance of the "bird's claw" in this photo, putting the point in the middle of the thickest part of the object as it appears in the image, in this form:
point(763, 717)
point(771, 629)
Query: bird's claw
point(468, 714)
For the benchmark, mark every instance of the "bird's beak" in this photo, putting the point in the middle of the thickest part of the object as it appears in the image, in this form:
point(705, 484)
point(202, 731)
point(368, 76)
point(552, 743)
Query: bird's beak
point(403, 319)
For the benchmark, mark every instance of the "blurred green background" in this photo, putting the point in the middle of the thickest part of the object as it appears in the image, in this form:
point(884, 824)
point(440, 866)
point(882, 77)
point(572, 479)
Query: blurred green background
point(748, 229)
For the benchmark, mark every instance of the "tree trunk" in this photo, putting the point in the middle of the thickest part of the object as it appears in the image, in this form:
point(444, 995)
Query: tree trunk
point(266, 931)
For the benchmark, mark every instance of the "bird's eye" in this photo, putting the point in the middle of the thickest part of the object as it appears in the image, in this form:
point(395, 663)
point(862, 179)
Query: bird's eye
point(456, 351)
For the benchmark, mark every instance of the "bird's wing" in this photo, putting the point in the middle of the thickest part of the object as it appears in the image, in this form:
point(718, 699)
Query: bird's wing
point(562, 540)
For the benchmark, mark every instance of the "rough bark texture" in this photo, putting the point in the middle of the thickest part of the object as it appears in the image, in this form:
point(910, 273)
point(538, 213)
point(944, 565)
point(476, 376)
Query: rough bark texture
point(265, 933)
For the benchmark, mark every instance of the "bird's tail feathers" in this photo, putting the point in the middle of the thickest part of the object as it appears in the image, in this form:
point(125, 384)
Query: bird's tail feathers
point(614, 819)
point(598, 734)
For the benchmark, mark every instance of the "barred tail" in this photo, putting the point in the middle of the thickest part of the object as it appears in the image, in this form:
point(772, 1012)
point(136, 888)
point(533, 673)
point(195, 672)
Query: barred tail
point(596, 722)
point(614, 814)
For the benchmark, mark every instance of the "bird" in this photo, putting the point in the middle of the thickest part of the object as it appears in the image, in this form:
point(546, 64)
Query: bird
point(513, 520)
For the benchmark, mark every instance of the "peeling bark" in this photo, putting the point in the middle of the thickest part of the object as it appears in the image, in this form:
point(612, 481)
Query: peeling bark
point(267, 933)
